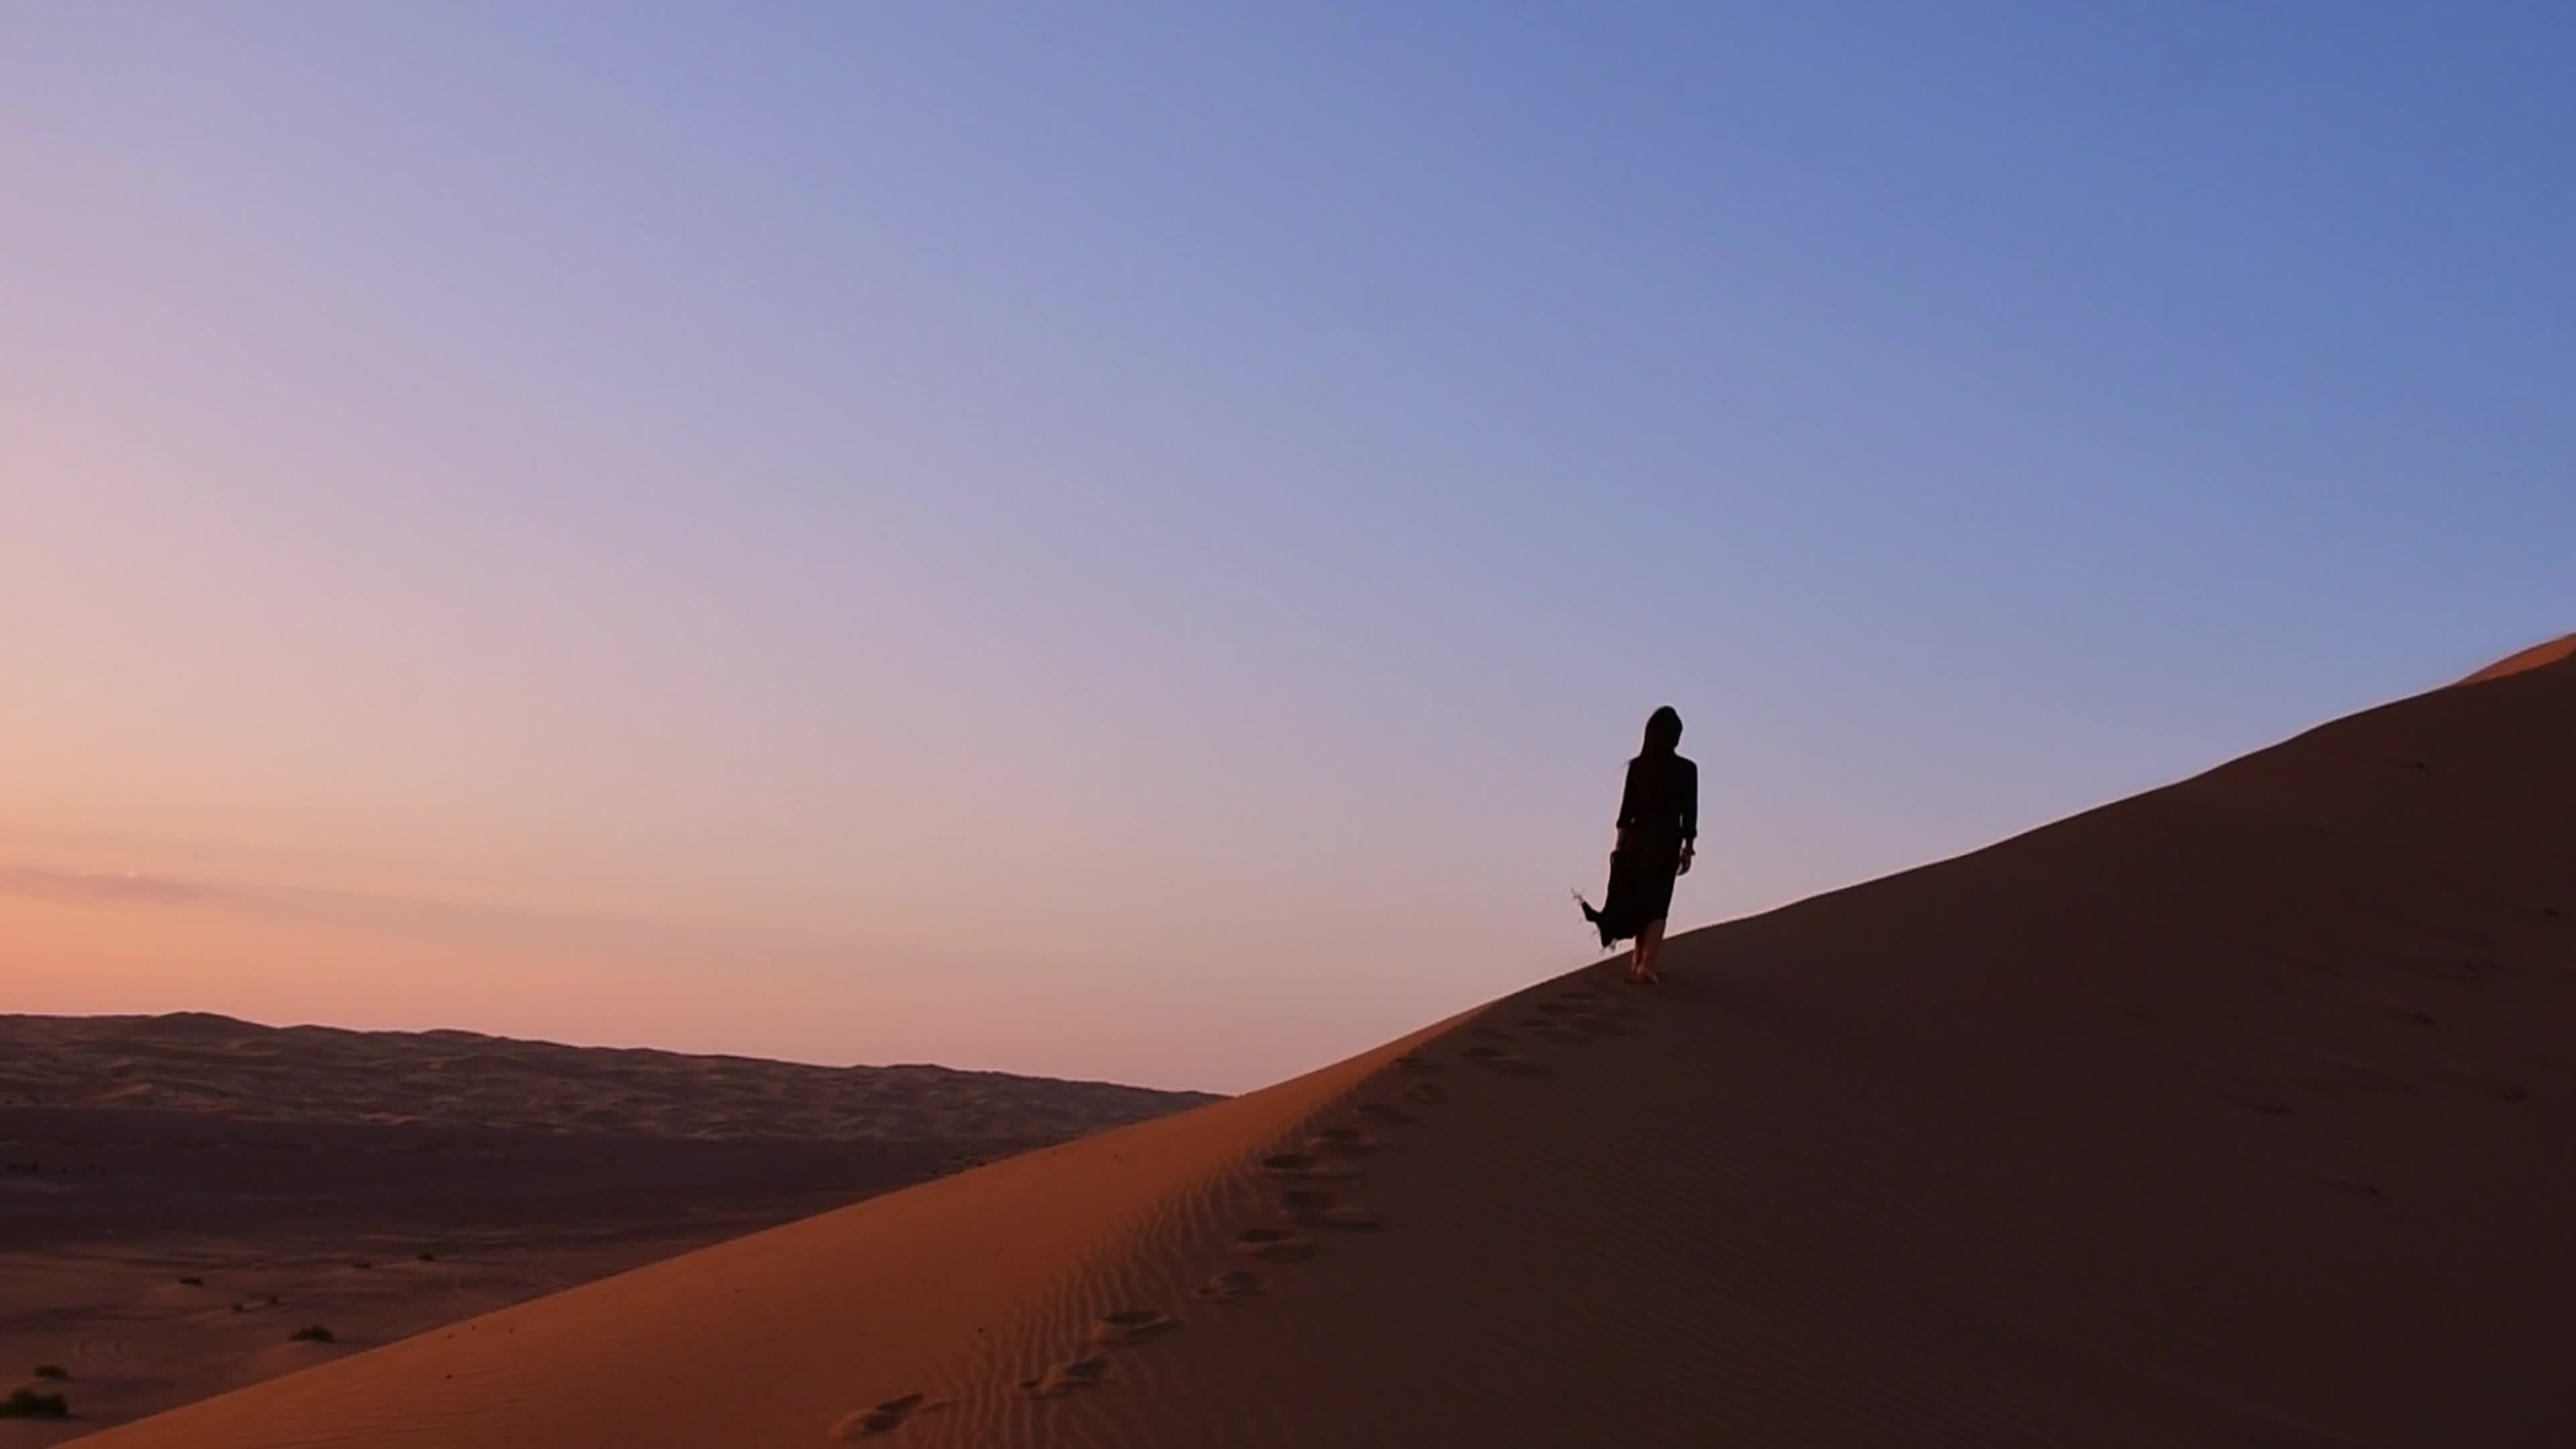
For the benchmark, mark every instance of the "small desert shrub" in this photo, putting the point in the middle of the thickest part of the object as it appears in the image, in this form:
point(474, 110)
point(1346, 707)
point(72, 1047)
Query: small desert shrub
point(192, 1282)
point(310, 1333)
point(362, 1263)
point(429, 1257)
point(28, 1404)
point(51, 1371)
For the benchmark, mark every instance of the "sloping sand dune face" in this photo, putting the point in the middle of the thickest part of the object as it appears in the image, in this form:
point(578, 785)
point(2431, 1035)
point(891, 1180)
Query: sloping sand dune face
point(2237, 1113)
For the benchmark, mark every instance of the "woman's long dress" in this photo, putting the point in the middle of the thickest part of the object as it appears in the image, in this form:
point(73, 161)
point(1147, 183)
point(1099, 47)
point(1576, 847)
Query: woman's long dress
point(1658, 813)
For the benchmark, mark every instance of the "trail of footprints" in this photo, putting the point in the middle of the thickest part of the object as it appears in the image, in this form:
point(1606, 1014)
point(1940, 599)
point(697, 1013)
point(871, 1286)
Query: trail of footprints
point(1308, 1208)
point(2458, 955)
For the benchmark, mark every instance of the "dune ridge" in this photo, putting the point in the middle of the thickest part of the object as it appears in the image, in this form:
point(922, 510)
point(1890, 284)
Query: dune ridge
point(2554, 650)
point(2233, 1113)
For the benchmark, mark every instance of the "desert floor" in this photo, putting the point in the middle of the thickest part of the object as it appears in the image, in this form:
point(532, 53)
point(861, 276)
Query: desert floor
point(160, 1257)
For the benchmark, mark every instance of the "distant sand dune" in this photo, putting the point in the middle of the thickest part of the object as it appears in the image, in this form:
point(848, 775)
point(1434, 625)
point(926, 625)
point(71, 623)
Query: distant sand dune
point(2238, 1113)
point(183, 1191)
point(199, 1062)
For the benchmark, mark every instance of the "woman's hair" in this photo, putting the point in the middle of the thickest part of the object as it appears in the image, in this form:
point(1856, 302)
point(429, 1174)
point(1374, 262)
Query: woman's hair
point(1663, 731)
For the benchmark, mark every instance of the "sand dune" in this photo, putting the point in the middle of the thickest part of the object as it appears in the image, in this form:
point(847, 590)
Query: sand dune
point(2562, 647)
point(2237, 1113)
point(182, 1192)
point(462, 1080)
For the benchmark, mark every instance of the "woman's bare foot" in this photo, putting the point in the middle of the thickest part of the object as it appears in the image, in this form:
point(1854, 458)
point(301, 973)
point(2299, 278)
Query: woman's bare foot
point(1641, 957)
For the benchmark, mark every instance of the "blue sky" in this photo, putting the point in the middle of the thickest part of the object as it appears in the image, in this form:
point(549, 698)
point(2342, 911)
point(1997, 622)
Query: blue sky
point(1134, 543)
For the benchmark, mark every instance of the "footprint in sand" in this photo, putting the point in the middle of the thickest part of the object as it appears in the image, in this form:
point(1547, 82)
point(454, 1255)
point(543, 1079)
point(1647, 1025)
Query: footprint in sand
point(1411, 1063)
point(2266, 1103)
point(1590, 1003)
point(1234, 1286)
point(2465, 969)
point(1549, 1029)
point(1495, 1059)
point(1305, 1164)
point(1313, 1207)
point(1064, 1378)
point(1592, 1012)
point(885, 1418)
point(1275, 1245)
point(1132, 1325)
point(1429, 1094)
point(1385, 1111)
point(1490, 1033)
point(1344, 1142)
point(2366, 1191)
point(2341, 1077)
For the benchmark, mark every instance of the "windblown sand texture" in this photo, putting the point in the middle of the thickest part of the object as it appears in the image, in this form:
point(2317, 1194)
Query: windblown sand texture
point(2238, 1113)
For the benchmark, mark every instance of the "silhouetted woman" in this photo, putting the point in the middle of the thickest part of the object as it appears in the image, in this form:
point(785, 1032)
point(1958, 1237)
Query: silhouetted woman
point(1658, 829)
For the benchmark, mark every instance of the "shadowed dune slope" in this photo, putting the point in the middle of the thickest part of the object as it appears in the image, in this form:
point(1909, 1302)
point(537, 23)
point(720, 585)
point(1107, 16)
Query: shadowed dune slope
point(2236, 1113)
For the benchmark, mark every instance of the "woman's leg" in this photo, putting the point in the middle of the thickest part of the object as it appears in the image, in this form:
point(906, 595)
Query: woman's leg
point(1650, 940)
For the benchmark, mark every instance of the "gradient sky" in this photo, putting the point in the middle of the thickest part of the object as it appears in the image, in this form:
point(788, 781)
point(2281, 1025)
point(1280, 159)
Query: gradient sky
point(1132, 540)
